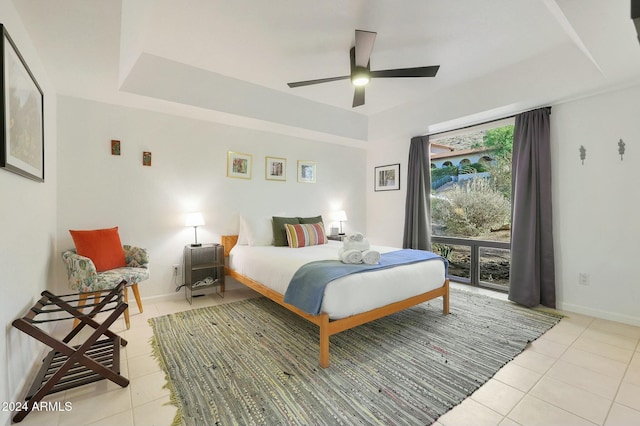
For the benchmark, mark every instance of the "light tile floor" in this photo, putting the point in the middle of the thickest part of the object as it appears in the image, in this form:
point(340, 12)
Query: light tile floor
point(584, 371)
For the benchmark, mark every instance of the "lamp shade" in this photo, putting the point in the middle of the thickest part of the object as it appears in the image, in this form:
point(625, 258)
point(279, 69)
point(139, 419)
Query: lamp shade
point(339, 216)
point(194, 219)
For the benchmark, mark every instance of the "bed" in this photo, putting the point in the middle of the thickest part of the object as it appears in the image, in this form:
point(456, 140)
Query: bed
point(347, 303)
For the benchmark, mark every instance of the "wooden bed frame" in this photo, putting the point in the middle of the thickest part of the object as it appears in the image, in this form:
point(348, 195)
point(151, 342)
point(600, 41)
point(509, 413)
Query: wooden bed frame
point(329, 327)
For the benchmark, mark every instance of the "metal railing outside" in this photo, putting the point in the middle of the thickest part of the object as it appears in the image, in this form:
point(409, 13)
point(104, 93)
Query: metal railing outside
point(475, 246)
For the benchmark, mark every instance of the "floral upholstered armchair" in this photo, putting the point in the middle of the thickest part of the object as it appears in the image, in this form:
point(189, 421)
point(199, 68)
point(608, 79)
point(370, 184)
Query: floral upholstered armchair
point(84, 278)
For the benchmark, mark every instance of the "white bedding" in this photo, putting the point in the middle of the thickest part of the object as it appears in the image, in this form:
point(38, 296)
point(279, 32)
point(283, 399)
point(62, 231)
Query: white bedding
point(275, 266)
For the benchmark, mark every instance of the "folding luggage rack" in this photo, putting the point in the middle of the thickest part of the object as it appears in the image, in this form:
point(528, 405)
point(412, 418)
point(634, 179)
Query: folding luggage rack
point(66, 366)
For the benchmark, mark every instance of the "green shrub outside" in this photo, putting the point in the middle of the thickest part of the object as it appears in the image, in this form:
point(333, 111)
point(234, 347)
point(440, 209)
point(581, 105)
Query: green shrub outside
point(444, 171)
point(472, 209)
point(473, 168)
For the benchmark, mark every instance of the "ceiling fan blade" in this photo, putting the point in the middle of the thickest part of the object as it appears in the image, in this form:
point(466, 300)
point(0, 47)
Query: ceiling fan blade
point(407, 72)
point(358, 96)
point(364, 46)
point(318, 81)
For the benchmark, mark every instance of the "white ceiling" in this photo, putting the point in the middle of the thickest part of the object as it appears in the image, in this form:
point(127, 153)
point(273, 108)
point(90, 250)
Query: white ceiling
point(232, 59)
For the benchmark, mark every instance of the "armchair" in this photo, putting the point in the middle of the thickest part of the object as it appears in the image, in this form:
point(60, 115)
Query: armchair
point(84, 278)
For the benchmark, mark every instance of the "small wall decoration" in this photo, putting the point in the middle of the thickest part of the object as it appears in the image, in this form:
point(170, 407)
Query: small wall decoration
point(275, 168)
point(115, 147)
point(621, 146)
point(146, 158)
point(387, 178)
point(306, 171)
point(22, 141)
point(583, 153)
point(239, 165)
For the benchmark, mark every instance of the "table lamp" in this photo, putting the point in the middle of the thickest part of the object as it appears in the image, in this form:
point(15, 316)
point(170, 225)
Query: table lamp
point(340, 216)
point(195, 220)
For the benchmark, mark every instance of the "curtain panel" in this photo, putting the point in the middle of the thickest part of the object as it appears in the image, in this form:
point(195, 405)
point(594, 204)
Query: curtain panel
point(417, 221)
point(532, 275)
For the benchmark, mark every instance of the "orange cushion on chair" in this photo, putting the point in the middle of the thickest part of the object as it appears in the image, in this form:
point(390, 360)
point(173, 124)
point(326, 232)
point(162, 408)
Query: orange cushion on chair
point(102, 246)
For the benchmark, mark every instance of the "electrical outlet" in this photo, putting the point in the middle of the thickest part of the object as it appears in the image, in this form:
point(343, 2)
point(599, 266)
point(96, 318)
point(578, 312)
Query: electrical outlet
point(583, 278)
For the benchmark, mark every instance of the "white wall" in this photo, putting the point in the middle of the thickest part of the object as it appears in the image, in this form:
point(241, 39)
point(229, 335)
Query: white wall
point(27, 244)
point(595, 206)
point(385, 209)
point(188, 173)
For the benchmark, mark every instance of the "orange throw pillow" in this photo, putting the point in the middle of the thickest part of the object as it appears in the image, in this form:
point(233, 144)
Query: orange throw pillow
point(102, 246)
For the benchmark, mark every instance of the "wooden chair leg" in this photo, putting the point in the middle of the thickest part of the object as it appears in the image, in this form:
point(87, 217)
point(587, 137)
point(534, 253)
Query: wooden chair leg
point(136, 293)
point(81, 302)
point(126, 311)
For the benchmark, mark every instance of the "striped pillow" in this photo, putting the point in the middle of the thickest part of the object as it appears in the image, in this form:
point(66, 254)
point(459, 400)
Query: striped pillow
point(306, 234)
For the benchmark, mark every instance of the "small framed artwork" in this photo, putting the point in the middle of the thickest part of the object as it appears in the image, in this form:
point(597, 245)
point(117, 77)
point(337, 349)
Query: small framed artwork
point(275, 168)
point(115, 147)
point(239, 165)
point(146, 158)
point(306, 171)
point(21, 119)
point(387, 178)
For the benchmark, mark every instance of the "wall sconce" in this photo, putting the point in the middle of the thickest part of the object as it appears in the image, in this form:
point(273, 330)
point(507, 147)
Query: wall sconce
point(621, 145)
point(195, 220)
point(583, 153)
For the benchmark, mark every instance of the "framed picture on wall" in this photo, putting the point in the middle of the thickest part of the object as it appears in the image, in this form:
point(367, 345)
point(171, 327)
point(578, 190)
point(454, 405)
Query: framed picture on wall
point(115, 147)
point(306, 171)
point(22, 149)
point(275, 168)
point(239, 165)
point(387, 178)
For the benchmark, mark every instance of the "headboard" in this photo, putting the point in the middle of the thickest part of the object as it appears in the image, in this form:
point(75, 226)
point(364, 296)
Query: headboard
point(229, 242)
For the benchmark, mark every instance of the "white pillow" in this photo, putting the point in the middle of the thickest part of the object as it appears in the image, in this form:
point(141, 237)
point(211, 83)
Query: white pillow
point(243, 236)
point(256, 231)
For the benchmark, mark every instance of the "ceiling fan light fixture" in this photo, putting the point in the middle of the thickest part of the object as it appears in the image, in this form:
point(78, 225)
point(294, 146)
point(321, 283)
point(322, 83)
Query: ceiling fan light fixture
point(359, 61)
point(360, 76)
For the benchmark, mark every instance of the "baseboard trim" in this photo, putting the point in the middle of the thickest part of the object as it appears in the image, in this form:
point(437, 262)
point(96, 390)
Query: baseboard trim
point(229, 284)
point(611, 316)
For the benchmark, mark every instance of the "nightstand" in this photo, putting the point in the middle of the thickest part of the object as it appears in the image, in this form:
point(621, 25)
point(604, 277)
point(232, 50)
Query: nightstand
point(336, 237)
point(203, 268)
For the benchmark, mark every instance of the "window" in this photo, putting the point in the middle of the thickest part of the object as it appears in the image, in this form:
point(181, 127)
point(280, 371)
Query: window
point(471, 202)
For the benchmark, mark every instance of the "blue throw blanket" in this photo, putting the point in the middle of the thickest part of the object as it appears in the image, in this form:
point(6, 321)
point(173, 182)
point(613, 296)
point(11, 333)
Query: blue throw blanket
point(306, 288)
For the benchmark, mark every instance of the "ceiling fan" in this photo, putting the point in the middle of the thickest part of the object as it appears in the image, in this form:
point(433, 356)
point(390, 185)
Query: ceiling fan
point(361, 72)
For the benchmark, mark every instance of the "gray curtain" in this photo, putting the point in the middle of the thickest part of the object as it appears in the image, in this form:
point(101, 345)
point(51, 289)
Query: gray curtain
point(417, 219)
point(532, 275)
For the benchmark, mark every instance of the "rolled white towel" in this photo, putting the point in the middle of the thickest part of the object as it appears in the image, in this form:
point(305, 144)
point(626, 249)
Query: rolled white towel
point(358, 236)
point(371, 257)
point(356, 245)
point(350, 256)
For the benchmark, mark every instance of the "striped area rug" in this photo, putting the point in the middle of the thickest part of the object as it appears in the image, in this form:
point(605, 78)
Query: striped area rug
point(254, 362)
